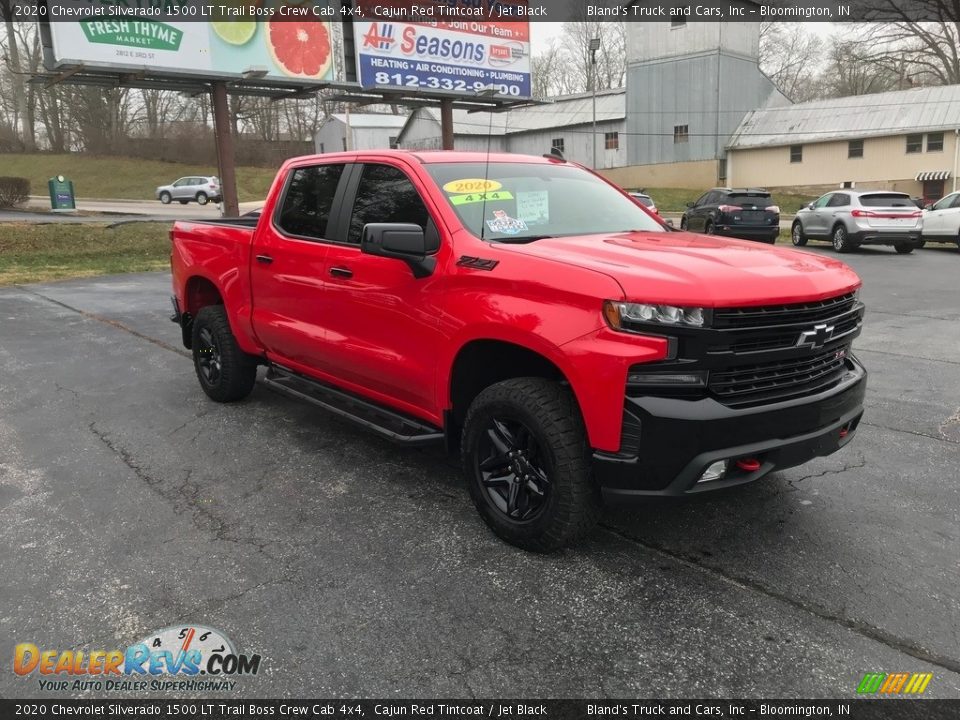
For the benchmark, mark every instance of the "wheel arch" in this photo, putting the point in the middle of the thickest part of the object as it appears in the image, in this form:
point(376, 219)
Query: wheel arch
point(482, 362)
point(198, 293)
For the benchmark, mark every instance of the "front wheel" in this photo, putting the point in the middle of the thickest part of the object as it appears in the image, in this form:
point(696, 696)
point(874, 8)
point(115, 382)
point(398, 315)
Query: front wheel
point(225, 372)
point(683, 223)
point(527, 464)
point(903, 248)
point(165, 198)
point(797, 236)
point(709, 229)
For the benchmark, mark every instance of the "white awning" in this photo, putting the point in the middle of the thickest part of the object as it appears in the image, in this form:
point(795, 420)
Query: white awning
point(934, 175)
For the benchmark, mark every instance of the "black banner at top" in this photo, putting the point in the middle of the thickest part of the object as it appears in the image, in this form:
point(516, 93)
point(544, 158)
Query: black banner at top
point(666, 11)
point(470, 709)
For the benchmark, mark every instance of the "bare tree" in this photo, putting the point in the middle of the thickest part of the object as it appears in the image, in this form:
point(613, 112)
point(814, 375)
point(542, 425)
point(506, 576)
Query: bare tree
point(791, 57)
point(852, 71)
point(12, 60)
point(928, 51)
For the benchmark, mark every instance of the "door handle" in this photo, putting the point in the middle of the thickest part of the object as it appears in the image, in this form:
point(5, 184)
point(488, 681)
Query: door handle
point(341, 272)
point(265, 259)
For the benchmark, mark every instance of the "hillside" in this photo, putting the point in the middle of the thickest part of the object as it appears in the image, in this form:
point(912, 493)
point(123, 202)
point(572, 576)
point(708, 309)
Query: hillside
point(122, 178)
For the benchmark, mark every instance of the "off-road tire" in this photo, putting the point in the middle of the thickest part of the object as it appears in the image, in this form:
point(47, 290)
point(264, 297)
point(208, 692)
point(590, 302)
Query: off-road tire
point(236, 372)
point(550, 414)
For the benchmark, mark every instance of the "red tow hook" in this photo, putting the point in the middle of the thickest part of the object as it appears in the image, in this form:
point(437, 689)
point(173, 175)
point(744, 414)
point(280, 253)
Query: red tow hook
point(748, 464)
point(844, 432)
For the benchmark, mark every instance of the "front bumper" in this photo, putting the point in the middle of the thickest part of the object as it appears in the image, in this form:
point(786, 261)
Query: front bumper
point(676, 440)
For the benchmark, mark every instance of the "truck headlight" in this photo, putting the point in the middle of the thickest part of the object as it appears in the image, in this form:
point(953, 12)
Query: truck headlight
point(618, 314)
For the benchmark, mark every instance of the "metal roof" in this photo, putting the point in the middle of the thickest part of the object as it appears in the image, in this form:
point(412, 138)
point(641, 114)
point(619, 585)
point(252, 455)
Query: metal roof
point(858, 116)
point(561, 112)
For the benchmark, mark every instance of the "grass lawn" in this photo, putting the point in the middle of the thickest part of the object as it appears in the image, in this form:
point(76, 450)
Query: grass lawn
point(122, 178)
point(676, 199)
point(37, 253)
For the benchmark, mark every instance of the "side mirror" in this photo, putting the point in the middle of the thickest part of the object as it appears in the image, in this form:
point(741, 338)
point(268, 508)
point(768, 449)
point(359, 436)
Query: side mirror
point(401, 241)
point(690, 204)
point(809, 206)
point(928, 206)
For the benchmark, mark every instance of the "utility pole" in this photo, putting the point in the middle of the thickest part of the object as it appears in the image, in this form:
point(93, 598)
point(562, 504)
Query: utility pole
point(225, 159)
point(594, 46)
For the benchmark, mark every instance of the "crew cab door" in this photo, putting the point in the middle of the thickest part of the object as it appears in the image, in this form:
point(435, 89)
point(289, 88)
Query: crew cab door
point(288, 265)
point(383, 323)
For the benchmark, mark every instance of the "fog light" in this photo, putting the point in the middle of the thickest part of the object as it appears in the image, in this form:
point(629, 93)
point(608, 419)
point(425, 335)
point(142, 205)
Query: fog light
point(716, 471)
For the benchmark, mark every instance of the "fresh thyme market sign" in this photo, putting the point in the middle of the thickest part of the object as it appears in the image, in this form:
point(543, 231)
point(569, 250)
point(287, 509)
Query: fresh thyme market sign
point(133, 33)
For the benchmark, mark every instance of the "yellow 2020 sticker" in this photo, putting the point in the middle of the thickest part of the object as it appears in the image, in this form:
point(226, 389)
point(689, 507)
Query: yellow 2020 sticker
point(471, 185)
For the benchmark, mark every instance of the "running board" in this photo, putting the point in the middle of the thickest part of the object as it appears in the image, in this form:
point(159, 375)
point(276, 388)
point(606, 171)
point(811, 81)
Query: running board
point(391, 424)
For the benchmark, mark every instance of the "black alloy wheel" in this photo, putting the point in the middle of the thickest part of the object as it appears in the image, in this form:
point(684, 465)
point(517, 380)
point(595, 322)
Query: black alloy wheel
point(512, 471)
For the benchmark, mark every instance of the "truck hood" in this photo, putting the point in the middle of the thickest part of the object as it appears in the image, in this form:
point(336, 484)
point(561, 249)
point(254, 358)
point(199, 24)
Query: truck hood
point(680, 268)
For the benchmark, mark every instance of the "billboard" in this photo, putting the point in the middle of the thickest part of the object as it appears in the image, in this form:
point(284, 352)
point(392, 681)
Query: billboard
point(296, 51)
point(442, 55)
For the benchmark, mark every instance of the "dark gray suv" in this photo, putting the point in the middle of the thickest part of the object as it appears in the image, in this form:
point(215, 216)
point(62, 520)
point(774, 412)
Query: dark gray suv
point(851, 218)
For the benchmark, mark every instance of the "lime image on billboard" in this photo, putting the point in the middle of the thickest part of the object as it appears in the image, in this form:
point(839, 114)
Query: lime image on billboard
point(287, 50)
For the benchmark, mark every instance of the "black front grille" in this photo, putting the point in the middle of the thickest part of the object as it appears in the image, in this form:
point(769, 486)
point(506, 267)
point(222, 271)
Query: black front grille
point(751, 317)
point(779, 380)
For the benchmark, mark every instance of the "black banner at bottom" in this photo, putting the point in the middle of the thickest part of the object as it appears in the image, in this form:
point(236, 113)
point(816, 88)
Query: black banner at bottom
point(893, 708)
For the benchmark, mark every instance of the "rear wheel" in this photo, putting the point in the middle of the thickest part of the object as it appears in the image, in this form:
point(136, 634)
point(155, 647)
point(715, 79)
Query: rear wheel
point(225, 372)
point(904, 248)
point(797, 236)
point(202, 198)
point(165, 197)
point(527, 464)
point(841, 239)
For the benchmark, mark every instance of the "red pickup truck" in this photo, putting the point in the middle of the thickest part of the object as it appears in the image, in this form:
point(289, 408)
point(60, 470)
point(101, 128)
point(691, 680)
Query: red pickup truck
point(571, 346)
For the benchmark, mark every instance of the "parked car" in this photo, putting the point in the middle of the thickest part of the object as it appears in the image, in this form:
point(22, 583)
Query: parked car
point(570, 347)
point(645, 200)
point(941, 220)
point(203, 189)
point(851, 218)
point(747, 213)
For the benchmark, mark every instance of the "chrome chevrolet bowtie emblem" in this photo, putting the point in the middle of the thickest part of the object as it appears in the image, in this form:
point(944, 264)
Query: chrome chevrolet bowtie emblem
point(816, 338)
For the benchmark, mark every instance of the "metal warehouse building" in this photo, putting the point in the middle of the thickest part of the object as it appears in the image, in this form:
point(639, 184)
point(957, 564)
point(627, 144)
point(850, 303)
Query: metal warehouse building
point(565, 123)
point(905, 140)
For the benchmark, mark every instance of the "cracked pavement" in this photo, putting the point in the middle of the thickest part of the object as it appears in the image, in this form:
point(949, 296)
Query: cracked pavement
point(129, 503)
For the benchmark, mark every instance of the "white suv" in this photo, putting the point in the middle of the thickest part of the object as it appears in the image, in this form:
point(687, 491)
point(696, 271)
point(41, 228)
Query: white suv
point(941, 221)
point(203, 189)
point(851, 218)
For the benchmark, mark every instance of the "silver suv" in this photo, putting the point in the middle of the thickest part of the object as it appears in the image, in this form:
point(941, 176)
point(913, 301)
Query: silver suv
point(203, 189)
point(851, 218)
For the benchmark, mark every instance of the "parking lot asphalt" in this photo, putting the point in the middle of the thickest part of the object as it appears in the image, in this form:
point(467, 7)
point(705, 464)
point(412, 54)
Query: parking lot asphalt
point(129, 502)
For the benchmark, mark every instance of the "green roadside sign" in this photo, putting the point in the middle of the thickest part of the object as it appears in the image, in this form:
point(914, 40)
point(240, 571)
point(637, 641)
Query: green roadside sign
point(61, 194)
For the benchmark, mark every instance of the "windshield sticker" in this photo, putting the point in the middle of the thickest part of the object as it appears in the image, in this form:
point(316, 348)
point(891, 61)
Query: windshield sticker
point(534, 207)
point(471, 185)
point(503, 223)
point(480, 197)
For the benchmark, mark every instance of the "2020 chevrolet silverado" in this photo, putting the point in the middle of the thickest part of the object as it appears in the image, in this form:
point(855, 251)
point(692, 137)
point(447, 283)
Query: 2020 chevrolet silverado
point(530, 314)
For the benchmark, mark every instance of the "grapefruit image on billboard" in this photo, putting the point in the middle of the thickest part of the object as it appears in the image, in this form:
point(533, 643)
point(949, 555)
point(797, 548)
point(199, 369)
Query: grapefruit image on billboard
point(300, 49)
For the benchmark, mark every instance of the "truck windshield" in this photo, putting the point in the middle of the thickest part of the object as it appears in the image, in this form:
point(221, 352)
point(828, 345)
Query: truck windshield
point(517, 202)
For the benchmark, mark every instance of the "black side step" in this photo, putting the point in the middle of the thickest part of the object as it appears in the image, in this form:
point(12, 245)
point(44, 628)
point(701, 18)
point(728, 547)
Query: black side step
point(391, 424)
